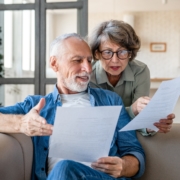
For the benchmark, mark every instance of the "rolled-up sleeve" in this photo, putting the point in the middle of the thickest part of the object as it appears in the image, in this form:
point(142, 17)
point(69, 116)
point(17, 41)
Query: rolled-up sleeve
point(19, 108)
point(141, 84)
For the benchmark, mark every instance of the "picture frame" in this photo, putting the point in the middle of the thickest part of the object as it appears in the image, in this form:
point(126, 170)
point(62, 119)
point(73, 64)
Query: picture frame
point(158, 47)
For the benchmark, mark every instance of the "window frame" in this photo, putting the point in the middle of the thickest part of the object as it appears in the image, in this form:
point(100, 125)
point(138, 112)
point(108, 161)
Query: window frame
point(40, 80)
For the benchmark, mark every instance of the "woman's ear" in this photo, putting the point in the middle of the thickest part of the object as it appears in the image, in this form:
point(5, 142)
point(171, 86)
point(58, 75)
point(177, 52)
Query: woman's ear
point(97, 54)
point(54, 63)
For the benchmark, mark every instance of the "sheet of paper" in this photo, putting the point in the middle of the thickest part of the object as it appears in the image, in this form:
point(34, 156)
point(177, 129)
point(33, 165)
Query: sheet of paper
point(83, 134)
point(161, 105)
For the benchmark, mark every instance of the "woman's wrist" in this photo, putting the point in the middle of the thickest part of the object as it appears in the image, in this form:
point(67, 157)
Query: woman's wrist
point(150, 132)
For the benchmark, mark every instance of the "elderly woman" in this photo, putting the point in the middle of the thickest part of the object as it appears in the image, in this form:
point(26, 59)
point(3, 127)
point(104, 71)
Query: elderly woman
point(114, 46)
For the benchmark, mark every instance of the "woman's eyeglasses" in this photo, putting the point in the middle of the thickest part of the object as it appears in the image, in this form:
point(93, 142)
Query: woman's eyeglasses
point(121, 54)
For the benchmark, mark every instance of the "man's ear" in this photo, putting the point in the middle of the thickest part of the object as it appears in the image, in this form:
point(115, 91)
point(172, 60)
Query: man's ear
point(54, 63)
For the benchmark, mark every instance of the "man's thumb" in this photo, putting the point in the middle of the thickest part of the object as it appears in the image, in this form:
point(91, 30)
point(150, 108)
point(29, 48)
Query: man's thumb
point(40, 105)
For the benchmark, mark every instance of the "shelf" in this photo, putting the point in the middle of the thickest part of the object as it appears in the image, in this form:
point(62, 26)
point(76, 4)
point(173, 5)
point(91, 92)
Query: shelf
point(155, 82)
point(159, 79)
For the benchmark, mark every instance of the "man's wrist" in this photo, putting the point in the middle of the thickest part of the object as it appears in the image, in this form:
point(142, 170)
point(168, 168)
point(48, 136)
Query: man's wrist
point(130, 166)
point(17, 122)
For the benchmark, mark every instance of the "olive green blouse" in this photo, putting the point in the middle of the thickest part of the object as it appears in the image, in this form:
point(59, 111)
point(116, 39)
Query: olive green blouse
point(134, 82)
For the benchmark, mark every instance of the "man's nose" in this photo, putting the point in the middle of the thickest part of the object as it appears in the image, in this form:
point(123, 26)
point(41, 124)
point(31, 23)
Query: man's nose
point(86, 66)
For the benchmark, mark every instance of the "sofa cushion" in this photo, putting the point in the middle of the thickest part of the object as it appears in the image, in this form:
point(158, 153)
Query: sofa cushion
point(16, 154)
point(162, 155)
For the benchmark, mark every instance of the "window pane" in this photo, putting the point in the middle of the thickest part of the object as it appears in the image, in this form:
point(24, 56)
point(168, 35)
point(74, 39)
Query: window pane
point(17, 42)
point(16, 1)
point(13, 93)
point(49, 88)
point(58, 23)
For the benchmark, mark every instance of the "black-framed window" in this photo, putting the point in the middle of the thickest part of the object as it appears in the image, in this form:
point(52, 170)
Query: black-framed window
point(26, 29)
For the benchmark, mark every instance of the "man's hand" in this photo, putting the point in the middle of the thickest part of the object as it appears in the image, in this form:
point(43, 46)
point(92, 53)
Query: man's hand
point(32, 124)
point(164, 125)
point(109, 165)
point(117, 167)
point(140, 104)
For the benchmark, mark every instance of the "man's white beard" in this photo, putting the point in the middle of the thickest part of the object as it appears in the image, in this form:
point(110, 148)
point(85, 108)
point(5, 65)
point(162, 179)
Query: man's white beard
point(72, 85)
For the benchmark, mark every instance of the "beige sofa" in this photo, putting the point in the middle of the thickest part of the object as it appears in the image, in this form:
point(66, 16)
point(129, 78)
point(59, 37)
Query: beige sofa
point(162, 156)
point(16, 154)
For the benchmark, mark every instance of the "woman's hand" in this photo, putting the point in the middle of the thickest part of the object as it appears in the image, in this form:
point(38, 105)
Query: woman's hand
point(140, 104)
point(164, 125)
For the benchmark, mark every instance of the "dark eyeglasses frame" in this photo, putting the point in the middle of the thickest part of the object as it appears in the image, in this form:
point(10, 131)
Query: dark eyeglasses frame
point(116, 52)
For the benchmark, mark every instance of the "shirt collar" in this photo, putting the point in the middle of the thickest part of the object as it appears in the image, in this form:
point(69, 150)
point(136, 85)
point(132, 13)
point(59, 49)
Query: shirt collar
point(127, 74)
point(56, 95)
point(101, 75)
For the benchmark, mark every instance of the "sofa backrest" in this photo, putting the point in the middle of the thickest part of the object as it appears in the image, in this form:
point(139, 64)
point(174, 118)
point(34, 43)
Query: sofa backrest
point(16, 154)
point(162, 155)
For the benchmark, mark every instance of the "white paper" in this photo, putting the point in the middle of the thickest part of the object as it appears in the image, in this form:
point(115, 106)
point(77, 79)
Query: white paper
point(83, 134)
point(161, 105)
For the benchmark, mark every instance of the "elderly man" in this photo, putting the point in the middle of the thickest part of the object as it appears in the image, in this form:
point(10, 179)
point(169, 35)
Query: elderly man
point(71, 60)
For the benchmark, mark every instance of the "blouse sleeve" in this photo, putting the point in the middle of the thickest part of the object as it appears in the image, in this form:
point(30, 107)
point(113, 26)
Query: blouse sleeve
point(142, 88)
point(142, 84)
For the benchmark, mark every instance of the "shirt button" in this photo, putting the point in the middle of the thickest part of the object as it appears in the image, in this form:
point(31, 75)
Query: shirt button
point(45, 149)
point(42, 169)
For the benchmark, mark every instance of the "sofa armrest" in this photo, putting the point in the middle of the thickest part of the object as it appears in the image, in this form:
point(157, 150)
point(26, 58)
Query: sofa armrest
point(162, 155)
point(16, 156)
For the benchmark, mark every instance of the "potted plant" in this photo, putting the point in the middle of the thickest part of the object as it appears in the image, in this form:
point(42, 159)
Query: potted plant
point(1, 66)
point(1, 69)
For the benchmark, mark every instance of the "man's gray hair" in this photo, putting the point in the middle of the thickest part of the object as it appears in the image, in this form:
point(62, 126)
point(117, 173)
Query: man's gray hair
point(55, 45)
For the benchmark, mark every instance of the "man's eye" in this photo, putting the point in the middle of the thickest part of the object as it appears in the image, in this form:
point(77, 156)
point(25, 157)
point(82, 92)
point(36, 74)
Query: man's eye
point(78, 60)
point(90, 60)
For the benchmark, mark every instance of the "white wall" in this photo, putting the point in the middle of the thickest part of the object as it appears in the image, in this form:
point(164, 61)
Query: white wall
point(116, 6)
point(163, 26)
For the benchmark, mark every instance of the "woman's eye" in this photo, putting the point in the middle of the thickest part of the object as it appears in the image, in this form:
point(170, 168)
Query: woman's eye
point(107, 52)
point(124, 52)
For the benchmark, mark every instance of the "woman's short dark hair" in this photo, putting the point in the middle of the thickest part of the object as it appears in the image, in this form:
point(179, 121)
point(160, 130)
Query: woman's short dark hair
point(118, 32)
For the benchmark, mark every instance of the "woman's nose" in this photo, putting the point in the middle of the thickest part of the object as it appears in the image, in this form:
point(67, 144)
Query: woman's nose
point(115, 58)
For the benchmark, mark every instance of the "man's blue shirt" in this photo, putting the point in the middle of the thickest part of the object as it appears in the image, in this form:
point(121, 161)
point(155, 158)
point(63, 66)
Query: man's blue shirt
point(124, 143)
